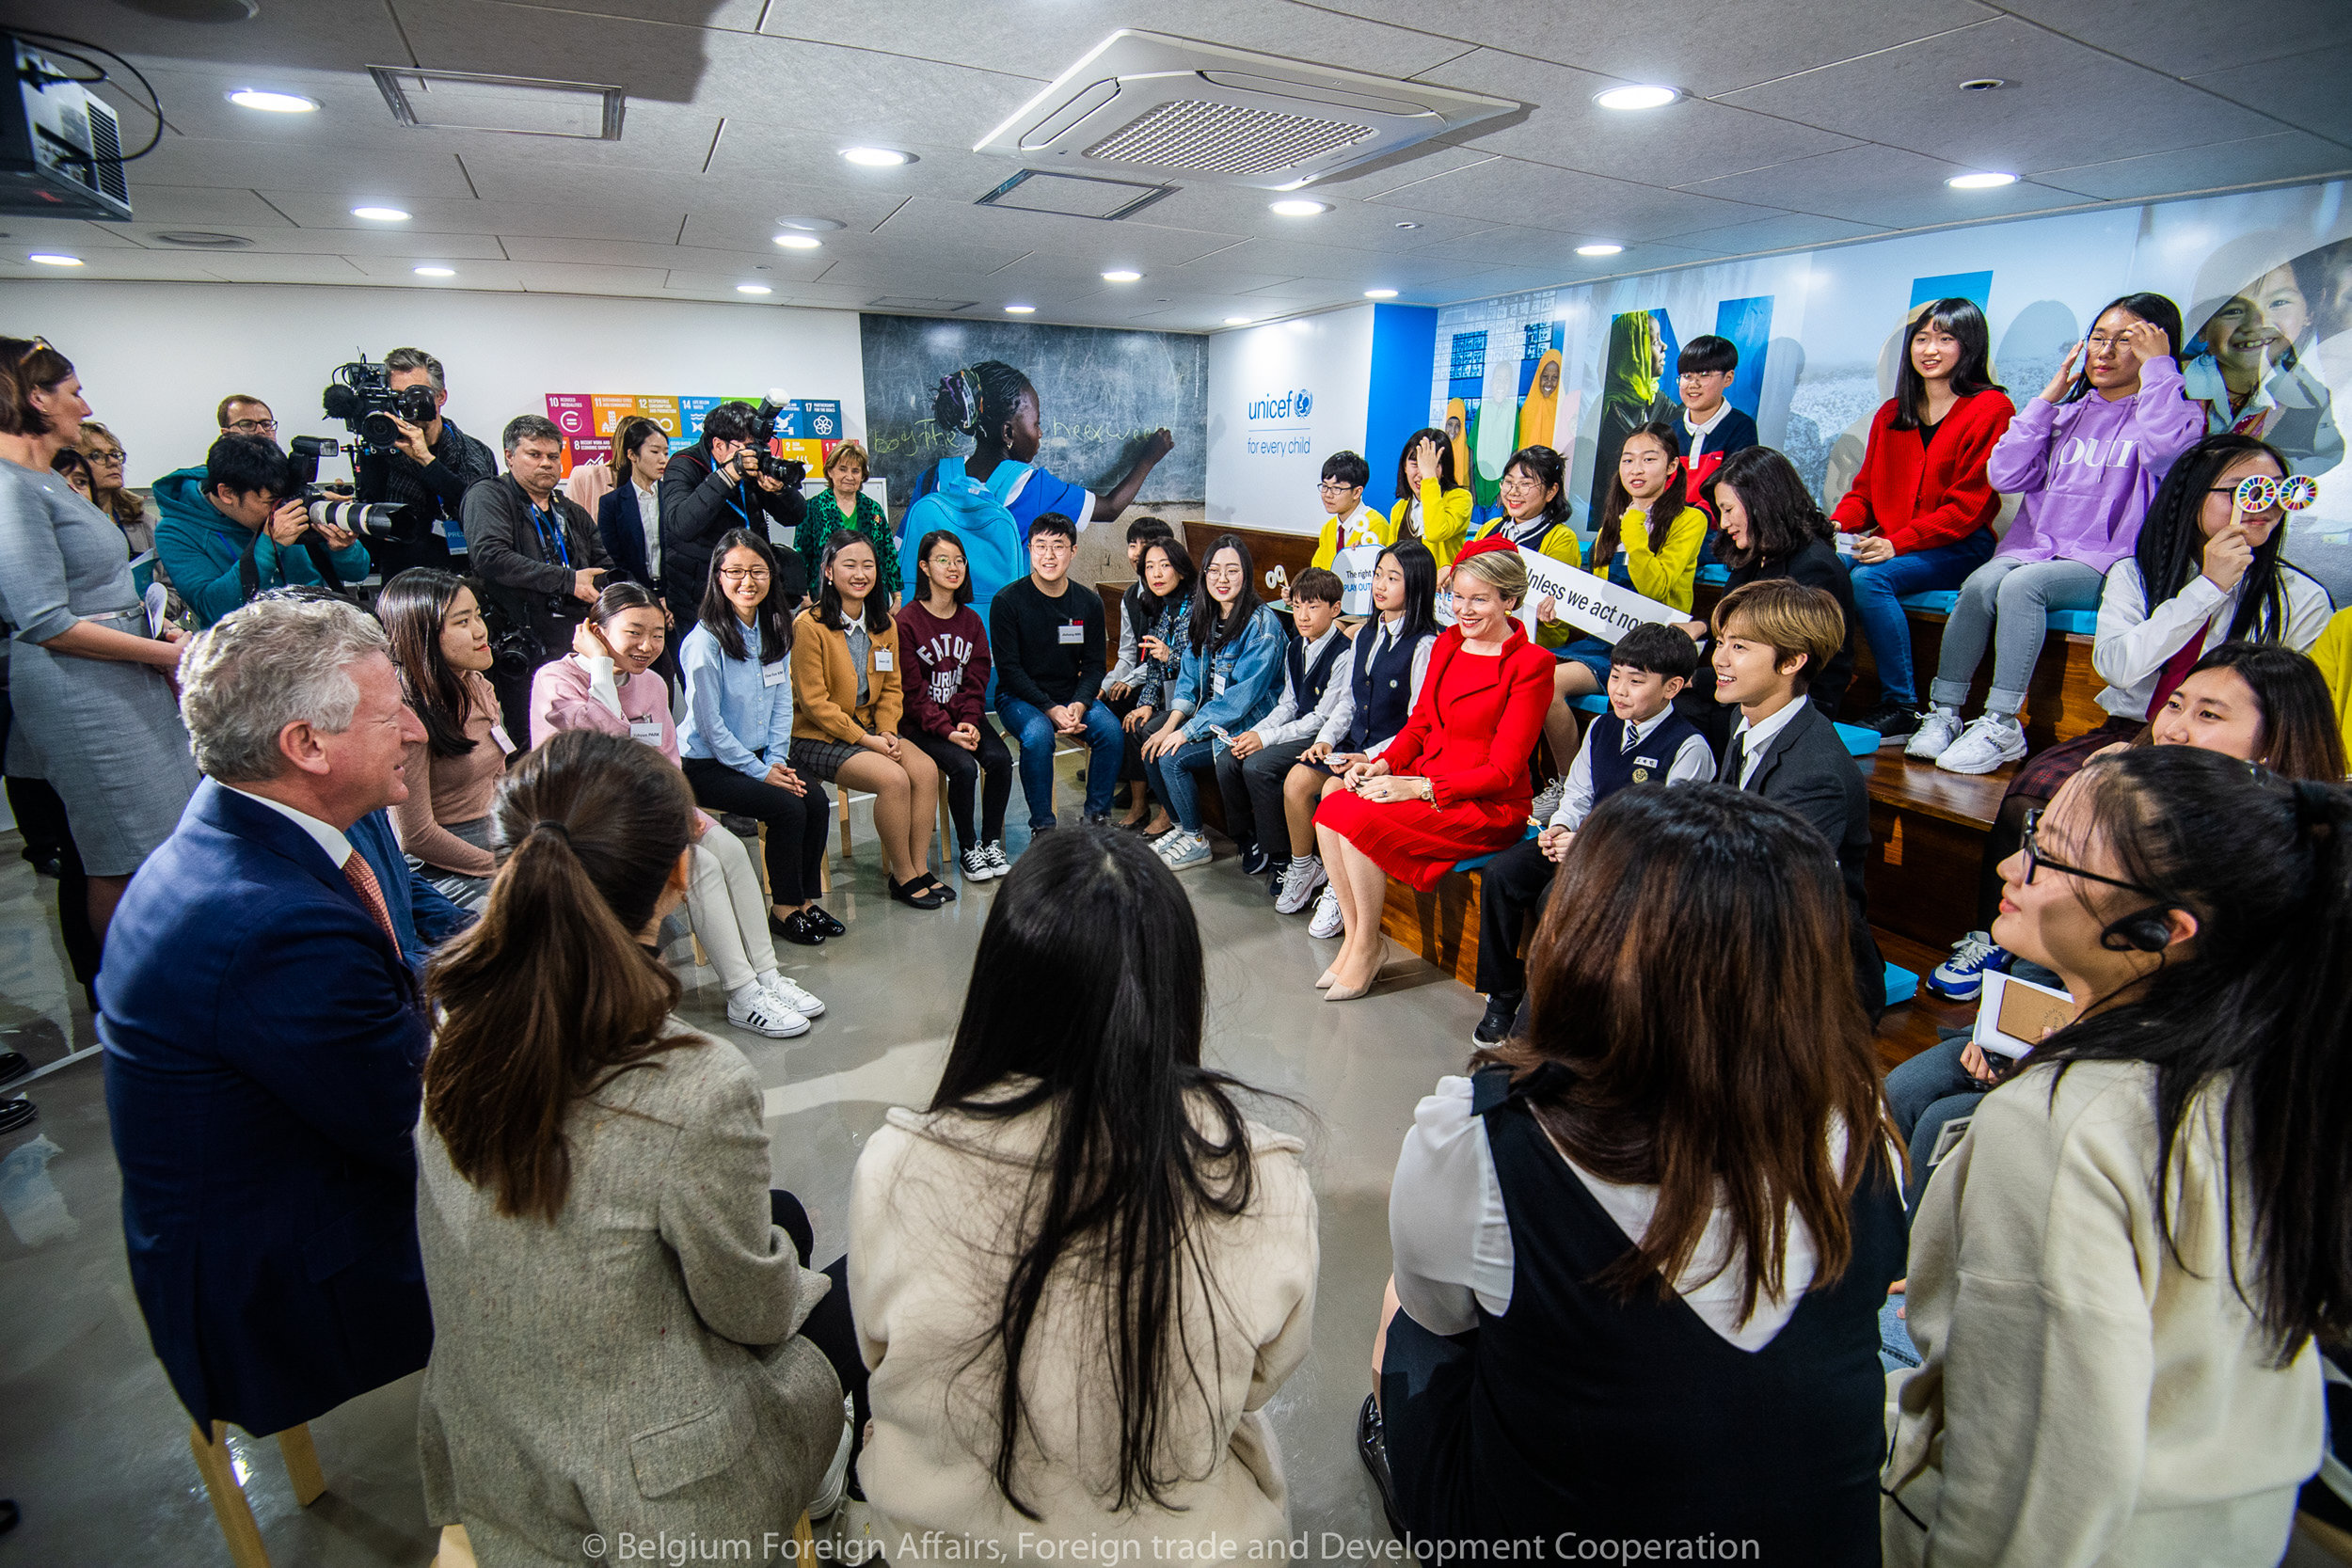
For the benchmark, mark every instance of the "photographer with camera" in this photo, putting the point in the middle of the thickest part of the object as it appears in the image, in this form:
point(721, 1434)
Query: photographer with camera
point(240, 524)
point(538, 555)
point(428, 468)
point(729, 480)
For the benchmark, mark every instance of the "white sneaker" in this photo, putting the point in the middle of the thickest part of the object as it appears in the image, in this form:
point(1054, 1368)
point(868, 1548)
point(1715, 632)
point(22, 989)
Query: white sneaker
point(1937, 730)
point(1182, 850)
point(997, 864)
point(1548, 801)
point(835, 1486)
point(802, 1002)
point(1300, 879)
point(975, 864)
point(762, 1014)
point(1992, 740)
point(1326, 922)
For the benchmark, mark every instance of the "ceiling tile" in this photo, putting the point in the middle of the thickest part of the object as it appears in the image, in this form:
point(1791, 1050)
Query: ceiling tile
point(1538, 196)
point(2288, 155)
point(925, 220)
point(2305, 88)
point(1885, 187)
point(198, 207)
point(1238, 211)
point(380, 175)
point(1773, 233)
point(2195, 39)
point(322, 35)
point(583, 221)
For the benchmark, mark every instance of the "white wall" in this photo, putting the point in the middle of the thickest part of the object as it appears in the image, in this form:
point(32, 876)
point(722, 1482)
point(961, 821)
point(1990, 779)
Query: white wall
point(155, 357)
point(1264, 456)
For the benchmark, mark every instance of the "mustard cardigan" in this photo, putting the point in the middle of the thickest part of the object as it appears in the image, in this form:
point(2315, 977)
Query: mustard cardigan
point(825, 684)
point(1669, 575)
point(1445, 516)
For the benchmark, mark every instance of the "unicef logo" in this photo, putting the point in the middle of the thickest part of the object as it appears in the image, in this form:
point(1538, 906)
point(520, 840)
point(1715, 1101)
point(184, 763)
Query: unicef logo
point(1302, 401)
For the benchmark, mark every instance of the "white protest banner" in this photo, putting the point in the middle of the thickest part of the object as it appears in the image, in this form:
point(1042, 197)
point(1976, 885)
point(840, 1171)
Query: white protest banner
point(1355, 569)
point(1590, 603)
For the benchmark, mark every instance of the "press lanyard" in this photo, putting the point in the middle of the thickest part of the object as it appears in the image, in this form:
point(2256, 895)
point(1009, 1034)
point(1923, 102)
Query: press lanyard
point(552, 535)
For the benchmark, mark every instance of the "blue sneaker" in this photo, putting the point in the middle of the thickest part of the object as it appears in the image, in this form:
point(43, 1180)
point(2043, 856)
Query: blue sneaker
point(1961, 977)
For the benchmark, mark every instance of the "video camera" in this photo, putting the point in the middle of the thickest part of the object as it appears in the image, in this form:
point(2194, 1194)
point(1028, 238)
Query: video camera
point(362, 397)
point(761, 460)
point(330, 508)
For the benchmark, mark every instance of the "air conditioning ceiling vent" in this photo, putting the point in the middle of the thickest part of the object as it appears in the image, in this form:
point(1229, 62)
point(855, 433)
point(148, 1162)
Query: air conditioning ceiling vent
point(1149, 107)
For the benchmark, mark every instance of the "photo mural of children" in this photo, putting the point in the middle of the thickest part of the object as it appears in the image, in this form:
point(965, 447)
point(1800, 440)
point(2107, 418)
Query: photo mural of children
point(2245, 365)
point(1631, 395)
point(1539, 414)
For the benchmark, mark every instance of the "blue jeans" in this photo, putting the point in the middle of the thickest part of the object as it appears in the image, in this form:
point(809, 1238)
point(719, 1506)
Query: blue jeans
point(1923, 1093)
point(1172, 776)
point(1878, 588)
point(1035, 735)
point(2007, 602)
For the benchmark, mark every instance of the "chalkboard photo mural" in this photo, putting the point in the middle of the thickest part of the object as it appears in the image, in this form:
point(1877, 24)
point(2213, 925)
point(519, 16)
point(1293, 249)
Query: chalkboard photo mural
point(1098, 406)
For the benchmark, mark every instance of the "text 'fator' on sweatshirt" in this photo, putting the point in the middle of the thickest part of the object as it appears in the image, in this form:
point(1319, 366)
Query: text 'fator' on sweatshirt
point(2089, 469)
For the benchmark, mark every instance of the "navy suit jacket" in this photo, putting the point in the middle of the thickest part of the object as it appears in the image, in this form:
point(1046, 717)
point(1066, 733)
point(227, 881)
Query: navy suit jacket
point(621, 524)
point(263, 1040)
point(421, 913)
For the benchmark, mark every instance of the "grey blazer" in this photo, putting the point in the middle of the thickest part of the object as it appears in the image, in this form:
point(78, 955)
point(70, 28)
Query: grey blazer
point(637, 1366)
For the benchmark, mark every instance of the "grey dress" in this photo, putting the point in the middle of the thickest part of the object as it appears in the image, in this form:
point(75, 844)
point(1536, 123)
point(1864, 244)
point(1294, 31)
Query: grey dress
point(638, 1365)
point(107, 734)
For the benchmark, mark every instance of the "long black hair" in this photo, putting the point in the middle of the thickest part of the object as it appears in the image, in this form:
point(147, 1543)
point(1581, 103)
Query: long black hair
point(1783, 516)
point(828, 605)
point(2300, 738)
point(1545, 467)
point(1660, 514)
point(977, 401)
point(717, 614)
point(1089, 994)
point(923, 584)
point(1420, 590)
point(1965, 322)
point(2157, 310)
point(1213, 625)
point(1445, 464)
point(414, 607)
point(2171, 545)
point(2259, 1010)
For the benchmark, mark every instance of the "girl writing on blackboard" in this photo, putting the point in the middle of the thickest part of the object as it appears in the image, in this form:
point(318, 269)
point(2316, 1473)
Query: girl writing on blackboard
point(997, 407)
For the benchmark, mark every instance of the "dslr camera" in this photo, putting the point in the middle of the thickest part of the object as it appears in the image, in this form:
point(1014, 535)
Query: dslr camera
point(759, 459)
point(332, 508)
point(361, 396)
point(517, 648)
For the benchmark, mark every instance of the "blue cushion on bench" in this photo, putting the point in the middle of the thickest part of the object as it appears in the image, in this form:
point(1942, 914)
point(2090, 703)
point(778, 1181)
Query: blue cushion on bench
point(1714, 573)
point(1859, 741)
point(1937, 603)
point(1901, 985)
point(2083, 621)
point(1476, 861)
point(1943, 599)
point(1592, 701)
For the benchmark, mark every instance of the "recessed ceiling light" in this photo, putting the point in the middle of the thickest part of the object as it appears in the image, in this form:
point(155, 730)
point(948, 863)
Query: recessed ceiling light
point(1600, 250)
point(798, 242)
point(1640, 97)
point(436, 272)
point(380, 214)
point(753, 289)
point(1983, 84)
point(1299, 207)
point(1019, 309)
point(1237, 321)
point(809, 223)
point(877, 157)
point(1408, 225)
point(273, 102)
point(1379, 294)
point(1123, 275)
point(55, 258)
point(1979, 182)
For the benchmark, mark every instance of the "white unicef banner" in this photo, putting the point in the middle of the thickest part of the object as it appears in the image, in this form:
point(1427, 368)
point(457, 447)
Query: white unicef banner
point(1590, 603)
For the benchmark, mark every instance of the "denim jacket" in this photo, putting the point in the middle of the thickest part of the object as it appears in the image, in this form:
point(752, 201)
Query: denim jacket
point(1235, 686)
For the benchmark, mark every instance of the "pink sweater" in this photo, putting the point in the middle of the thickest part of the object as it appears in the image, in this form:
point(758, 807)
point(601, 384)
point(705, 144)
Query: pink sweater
point(567, 695)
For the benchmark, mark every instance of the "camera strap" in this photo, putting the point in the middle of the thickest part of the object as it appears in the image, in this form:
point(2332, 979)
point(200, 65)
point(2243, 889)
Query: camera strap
point(551, 540)
point(249, 570)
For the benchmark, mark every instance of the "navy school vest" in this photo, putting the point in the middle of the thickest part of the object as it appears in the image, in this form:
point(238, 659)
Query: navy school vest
point(1383, 687)
point(1307, 686)
point(1614, 768)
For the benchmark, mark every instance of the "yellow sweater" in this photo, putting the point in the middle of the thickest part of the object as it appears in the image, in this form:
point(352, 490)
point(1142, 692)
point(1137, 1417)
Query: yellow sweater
point(1670, 575)
point(1366, 528)
point(2332, 652)
point(1445, 516)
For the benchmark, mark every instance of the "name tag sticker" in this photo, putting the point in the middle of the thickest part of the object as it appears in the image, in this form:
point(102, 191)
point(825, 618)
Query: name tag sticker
point(497, 735)
point(1645, 762)
point(1072, 633)
point(646, 730)
point(881, 659)
point(774, 675)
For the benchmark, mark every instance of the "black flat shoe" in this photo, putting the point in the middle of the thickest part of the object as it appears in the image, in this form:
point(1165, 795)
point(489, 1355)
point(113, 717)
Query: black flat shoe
point(930, 884)
point(1371, 1446)
point(797, 929)
point(13, 1066)
point(825, 922)
point(913, 895)
point(17, 1112)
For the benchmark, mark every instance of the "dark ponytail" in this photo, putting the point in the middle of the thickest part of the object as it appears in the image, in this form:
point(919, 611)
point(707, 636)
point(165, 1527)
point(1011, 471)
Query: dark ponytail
point(2260, 1009)
point(549, 997)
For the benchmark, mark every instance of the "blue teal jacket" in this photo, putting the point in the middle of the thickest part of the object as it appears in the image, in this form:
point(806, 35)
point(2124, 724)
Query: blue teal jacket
point(1235, 686)
point(200, 548)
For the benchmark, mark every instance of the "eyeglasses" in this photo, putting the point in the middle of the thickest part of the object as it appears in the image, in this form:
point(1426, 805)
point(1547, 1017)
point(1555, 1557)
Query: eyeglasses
point(115, 456)
point(1700, 375)
point(742, 574)
point(2036, 859)
point(1336, 484)
point(253, 427)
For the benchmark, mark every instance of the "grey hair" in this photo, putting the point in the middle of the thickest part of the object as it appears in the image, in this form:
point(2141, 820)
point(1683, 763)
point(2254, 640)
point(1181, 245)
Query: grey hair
point(402, 359)
point(269, 664)
point(530, 427)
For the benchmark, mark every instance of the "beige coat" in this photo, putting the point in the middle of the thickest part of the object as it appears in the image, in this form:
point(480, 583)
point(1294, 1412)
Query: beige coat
point(637, 1366)
point(2085, 1397)
point(933, 1204)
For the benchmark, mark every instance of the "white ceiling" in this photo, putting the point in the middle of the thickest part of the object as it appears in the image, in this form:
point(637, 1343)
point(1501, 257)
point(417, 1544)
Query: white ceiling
point(1810, 123)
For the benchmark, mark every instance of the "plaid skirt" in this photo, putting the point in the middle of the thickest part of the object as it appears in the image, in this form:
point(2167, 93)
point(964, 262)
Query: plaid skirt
point(820, 759)
point(2039, 780)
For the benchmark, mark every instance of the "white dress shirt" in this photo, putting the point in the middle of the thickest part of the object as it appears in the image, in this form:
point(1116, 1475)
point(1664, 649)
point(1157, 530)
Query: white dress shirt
point(338, 847)
point(1292, 719)
point(649, 513)
point(1758, 738)
point(1692, 762)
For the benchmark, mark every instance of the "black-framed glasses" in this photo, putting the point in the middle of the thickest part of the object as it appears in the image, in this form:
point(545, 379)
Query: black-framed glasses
point(2035, 860)
point(254, 427)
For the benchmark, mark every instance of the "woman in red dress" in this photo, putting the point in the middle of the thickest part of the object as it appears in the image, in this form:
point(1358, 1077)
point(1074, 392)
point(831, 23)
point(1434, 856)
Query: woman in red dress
point(1454, 782)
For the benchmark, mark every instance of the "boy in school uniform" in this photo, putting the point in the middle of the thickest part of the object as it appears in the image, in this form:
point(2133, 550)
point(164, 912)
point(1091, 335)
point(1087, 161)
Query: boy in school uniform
point(1249, 772)
point(1771, 635)
point(1641, 739)
point(1348, 523)
point(1712, 429)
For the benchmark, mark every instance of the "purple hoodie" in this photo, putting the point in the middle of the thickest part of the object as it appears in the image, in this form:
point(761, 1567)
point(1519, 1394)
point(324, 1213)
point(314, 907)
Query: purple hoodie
point(2089, 470)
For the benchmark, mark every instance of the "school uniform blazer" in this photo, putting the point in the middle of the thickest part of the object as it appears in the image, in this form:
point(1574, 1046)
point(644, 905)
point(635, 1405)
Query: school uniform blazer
point(1920, 496)
point(825, 684)
point(1808, 769)
point(621, 524)
point(263, 1044)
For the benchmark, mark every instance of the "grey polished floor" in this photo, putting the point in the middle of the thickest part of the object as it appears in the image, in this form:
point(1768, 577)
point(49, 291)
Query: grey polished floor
point(94, 1447)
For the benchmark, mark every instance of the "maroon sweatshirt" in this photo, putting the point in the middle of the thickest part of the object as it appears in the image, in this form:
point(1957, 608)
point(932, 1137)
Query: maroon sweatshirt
point(947, 668)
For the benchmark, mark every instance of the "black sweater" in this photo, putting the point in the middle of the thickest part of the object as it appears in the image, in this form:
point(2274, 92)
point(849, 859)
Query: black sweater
point(1033, 663)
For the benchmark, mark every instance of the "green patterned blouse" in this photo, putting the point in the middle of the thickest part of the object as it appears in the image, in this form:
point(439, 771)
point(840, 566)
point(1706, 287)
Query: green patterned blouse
point(823, 519)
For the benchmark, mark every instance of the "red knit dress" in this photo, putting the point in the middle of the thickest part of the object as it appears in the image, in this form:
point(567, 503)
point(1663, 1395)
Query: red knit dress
point(1470, 734)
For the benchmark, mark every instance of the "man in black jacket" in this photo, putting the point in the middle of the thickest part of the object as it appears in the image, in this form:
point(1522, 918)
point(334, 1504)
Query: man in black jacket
point(427, 472)
point(1769, 635)
point(710, 487)
point(538, 554)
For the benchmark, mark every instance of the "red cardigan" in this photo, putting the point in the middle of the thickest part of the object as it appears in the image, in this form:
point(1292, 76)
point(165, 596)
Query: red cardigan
point(1477, 749)
point(1918, 497)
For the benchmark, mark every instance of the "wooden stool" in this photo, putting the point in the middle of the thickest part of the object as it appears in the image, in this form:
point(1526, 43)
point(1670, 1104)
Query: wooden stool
point(228, 1505)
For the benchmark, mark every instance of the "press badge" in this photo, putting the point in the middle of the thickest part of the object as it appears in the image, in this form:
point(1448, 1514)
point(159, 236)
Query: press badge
point(646, 730)
point(497, 735)
point(1072, 632)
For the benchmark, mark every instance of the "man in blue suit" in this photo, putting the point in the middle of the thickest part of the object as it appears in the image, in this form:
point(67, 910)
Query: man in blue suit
point(265, 1034)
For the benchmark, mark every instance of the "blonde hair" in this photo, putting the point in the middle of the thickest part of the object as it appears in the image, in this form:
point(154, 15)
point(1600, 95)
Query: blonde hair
point(1501, 570)
point(1792, 618)
point(835, 458)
